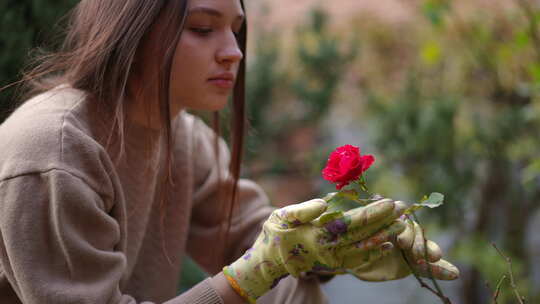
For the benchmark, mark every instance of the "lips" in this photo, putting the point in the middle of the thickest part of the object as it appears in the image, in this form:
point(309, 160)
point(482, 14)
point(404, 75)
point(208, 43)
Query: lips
point(224, 80)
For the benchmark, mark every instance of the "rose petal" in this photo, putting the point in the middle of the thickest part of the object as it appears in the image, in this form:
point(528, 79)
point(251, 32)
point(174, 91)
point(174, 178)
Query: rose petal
point(345, 164)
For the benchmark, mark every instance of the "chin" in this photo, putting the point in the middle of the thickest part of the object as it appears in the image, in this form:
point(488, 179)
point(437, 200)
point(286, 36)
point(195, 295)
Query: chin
point(211, 103)
point(215, 105)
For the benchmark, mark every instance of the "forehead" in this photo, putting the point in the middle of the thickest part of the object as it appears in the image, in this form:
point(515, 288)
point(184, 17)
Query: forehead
point(226, 7)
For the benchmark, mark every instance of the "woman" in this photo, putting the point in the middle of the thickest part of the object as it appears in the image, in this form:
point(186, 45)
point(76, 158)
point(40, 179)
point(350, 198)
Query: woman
point(106, 182)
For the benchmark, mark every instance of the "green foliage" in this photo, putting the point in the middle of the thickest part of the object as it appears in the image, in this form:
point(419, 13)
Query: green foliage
point(477, 251)
point(471, 133)
point(301, 96)
point(25, 25)
point(318, 47)
point(435, 11)
point(418, 133)
point(263, 79)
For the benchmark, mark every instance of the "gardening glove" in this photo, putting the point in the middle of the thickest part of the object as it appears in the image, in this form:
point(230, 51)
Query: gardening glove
point(293, 240)
point(375, 247)
point(392, 265)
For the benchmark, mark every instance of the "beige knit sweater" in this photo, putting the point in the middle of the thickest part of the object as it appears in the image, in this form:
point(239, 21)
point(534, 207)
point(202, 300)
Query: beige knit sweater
point(75, 227)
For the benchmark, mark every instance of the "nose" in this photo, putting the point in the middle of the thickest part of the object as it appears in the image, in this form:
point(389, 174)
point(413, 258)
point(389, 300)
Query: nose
point(230, 53)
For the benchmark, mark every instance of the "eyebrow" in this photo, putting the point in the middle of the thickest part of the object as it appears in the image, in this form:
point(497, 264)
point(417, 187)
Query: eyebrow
point(211, 12)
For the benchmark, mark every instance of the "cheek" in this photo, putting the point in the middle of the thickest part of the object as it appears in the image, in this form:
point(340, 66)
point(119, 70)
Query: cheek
point(193, 64)
point(190, 68)
point(188, 49)
point(187, 60)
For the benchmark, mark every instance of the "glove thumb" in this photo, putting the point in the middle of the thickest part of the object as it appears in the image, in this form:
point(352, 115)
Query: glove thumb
point(304, 212)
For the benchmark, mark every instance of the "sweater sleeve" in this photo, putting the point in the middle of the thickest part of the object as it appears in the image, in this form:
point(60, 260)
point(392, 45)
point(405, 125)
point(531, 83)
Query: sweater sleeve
point(251, 207)
point(58, 243)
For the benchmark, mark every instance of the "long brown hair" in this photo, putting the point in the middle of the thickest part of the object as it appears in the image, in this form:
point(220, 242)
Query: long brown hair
point(102, 39)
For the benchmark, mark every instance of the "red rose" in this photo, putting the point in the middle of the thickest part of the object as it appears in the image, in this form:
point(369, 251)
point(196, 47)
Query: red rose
point(345, 165)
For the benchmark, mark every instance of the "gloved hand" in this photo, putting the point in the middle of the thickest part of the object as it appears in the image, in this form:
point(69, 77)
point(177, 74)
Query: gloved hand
point(392, 265)
point(294, 241)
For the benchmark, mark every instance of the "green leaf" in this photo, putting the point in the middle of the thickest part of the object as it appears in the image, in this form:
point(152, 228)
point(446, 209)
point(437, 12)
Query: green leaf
point(349, 194)
point(343, 200)
point(327, 217)
point(434, 200)
point(343, 205)
point(362, 191)
point(329, 196)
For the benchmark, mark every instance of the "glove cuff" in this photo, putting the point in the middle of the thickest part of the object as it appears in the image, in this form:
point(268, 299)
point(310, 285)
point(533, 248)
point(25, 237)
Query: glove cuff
point(251, 277)
point(234, 284)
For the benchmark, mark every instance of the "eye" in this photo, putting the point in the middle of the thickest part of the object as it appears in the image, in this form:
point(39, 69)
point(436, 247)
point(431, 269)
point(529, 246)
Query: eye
point(201, 31)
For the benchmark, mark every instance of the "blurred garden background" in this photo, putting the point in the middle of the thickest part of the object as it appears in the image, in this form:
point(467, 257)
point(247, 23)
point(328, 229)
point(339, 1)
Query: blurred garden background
point(444, 93)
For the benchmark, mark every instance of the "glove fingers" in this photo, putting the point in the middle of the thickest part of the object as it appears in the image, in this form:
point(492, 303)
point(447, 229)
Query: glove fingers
point(302, 213)
point(406, 238)
point(363, 232)
point(354, 257)
point(418, 245)
point(390, 267)
point(370, 214)
point(442, 270)
point(399, 209)
point(412, 241)
point(349, 236)
point(366, 220)
point(434, 251)
point(385, 235)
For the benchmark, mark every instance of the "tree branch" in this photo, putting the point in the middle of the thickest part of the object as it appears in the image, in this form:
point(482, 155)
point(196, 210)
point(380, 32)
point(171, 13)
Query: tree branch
point(520, 298)
point(498, 289)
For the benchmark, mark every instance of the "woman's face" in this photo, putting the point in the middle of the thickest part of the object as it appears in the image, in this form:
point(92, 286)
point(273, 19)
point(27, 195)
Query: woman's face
point(208, 56)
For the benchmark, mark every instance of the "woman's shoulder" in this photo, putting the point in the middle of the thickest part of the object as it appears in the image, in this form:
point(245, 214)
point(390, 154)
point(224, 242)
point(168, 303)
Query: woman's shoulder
point(47, 132)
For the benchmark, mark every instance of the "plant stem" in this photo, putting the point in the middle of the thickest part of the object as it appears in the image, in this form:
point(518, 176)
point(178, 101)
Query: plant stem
point(444, 299)
point(498, 289)
point(521, 299)
point(438, 292)
point(428, 265)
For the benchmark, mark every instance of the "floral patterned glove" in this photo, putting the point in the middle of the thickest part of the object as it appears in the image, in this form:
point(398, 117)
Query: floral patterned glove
point(294, 240)
point(392, 265)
